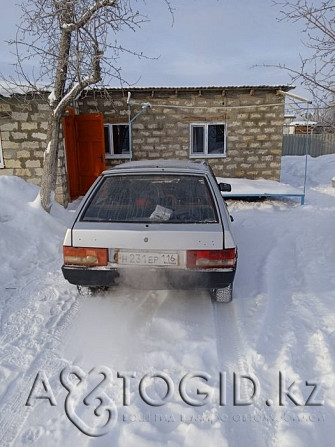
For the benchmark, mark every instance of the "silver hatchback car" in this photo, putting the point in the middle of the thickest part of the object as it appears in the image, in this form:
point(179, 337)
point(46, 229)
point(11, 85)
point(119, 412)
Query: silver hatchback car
point(158, 224)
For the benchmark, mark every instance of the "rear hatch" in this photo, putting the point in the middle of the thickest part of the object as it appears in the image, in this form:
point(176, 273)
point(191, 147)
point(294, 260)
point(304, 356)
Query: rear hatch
point(152, 212)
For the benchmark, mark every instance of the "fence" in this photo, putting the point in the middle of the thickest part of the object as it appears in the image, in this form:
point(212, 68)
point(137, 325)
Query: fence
point(318, 144)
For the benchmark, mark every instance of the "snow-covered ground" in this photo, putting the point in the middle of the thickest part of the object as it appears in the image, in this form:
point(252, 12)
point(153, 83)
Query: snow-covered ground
point(277, 332)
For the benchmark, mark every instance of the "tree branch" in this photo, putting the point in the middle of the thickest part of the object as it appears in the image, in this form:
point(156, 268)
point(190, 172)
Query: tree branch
point(81, 85)
point(86, 17)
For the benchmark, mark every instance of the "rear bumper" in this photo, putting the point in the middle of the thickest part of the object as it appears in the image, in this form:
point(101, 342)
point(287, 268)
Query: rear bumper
point(148, 278)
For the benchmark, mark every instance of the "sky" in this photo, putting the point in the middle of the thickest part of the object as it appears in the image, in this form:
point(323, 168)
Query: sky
point(206, 43)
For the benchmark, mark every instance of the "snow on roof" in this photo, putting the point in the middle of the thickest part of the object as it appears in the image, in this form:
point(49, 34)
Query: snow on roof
point(303, 123)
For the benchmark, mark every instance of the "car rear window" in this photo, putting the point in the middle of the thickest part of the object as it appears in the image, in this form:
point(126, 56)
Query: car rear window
point(152, 198)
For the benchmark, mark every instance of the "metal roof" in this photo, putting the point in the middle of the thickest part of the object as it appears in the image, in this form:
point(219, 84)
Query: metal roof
point(285, 88)
point(197, 88)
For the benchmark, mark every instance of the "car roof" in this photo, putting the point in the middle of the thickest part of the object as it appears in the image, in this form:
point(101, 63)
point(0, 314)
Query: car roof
point(161, 165)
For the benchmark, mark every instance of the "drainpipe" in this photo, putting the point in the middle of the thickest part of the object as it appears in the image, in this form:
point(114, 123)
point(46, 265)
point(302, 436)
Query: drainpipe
point(293, 96)
point(145, 107)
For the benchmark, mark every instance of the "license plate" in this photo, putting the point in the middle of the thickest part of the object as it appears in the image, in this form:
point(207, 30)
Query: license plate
point(147, 258)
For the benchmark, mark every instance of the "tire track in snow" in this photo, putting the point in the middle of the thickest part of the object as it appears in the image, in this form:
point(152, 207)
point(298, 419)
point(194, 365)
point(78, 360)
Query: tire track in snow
point(295, 312)
point(232, 352)
point(145, 332)
point(39, 313)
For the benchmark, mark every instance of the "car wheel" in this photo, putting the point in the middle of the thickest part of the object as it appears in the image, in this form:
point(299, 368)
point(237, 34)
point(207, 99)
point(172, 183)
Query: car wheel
point(87, 291)
point(224, 295)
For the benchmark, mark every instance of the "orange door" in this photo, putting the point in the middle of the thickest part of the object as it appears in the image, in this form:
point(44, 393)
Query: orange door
point(85, 151)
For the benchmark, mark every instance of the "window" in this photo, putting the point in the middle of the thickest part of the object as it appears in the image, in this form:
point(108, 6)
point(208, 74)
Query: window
point(117, 141)
point(172, 199)
point(208, 140)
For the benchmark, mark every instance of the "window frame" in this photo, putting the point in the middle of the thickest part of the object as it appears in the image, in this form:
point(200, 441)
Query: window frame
point(205, 125)
point(111, 155)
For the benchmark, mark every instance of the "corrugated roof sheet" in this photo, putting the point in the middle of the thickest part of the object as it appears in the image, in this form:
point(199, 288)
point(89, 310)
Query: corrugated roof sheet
point(165, 88)
point(213, 87)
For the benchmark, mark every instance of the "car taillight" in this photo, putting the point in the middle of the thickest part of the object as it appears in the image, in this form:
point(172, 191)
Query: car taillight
point(85, 256)
point(208, 259)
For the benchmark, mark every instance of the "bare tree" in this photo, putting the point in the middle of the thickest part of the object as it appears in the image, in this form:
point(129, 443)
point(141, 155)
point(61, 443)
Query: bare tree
point(65, 46)
point(316, 69)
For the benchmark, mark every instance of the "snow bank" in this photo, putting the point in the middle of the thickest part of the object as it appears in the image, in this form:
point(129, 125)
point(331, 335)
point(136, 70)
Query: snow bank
point(36, 302)
point(320, 170)
point(29, 236)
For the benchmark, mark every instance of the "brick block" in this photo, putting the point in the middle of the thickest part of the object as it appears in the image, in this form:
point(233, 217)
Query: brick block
point(20, 116)
point(230, 167)
point(43, 125)
point(138, 126)
point(267, 157)
point(39, 136)
point(23, 154)
point(260, 166)
point(18, 136)
point(29, 126)
point(153, 140)
point(233, 152)
point(13, 163)
point(22, 172)
point(247, 138)
point(38, 171)
point(9, 126)
point(31, 145)
point(6, 171)
point(33, 164)
point(5, 136)
point(39, 154)
point(11, 145)
point(276, 151)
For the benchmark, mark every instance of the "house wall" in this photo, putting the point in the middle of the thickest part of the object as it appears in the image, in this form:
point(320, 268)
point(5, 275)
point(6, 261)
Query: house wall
point(23, 127)
point(254, 125)
point(254, 128)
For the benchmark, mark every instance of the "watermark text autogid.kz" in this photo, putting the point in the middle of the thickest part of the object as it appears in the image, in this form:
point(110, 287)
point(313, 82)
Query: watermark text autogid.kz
point(92, 392)
point(200, 396)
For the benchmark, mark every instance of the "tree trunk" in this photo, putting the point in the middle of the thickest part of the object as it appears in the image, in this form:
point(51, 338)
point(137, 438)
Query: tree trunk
point(50, 167)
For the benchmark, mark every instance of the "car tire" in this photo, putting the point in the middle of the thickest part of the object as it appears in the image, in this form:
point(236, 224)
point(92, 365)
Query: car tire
point(87, 291)
point(224, 295)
